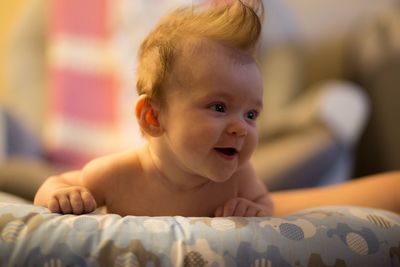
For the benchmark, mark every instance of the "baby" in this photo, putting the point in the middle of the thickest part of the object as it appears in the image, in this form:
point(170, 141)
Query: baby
point(200, 93)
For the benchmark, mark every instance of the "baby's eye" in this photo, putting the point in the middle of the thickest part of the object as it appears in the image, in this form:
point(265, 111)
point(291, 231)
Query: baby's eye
point(218, 107)
point(252, 115)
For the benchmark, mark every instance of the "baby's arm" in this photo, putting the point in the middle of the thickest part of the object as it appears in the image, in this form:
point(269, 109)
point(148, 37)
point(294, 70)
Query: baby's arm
point(65, 193)
point(253, 198)
point(378, 191)
point(73, 192)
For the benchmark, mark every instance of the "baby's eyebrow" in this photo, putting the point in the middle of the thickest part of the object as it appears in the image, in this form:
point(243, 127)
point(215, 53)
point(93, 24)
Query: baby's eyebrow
point(259, 104)
point(221, 95)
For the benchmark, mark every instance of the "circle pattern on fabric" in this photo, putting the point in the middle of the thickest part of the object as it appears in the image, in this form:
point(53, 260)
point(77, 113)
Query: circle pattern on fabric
point(12, 230)
point(86, 224)
point(291, 231)
point(222, 224)
point(195, 259)
point(126, 260)
point(156, 226)
point(357, 243)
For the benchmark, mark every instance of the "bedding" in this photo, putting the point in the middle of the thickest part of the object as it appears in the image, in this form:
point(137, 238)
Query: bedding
point(325, 236)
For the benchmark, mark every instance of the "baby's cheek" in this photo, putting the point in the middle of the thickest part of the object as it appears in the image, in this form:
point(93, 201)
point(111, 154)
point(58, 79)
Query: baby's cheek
point(193, 143)
point(246, 155)
point(252, 141)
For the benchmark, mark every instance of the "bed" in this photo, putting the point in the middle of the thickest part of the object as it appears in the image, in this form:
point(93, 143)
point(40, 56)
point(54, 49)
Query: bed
point(325, 236)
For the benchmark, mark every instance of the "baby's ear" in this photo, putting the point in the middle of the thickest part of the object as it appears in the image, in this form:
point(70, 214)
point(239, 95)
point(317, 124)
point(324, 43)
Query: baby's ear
point(147, 117)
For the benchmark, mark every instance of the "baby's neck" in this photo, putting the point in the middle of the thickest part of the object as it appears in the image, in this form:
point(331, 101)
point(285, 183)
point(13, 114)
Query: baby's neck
point(169, 175)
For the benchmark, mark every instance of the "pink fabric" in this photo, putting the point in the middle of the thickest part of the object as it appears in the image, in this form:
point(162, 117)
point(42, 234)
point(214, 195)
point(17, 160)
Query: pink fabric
point(77, 17)
point(88, 97)
point(92, 68)
point(81, 99)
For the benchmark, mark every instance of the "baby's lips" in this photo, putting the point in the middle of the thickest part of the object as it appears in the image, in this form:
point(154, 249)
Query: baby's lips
point(229, 151)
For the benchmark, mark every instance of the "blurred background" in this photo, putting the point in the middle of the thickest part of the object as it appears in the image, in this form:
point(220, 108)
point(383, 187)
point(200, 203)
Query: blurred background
point(331, 75)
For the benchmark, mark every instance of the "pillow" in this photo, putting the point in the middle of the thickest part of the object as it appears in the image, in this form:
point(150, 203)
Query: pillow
point(10, 198)
point(326, 236)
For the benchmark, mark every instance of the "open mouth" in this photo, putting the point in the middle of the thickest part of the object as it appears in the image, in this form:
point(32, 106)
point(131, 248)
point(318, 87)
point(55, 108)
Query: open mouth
point(227, 151)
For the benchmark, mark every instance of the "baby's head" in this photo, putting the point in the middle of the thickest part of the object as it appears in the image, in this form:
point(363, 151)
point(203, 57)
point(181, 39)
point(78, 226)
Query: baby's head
point(236, 25)
point(200, 89)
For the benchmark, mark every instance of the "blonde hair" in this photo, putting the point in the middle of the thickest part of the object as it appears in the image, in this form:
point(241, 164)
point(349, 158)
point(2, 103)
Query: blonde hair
point(237, 25)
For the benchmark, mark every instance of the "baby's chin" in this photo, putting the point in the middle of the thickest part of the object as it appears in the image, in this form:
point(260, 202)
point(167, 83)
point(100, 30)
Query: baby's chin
point(221, 177)
point(222, 172)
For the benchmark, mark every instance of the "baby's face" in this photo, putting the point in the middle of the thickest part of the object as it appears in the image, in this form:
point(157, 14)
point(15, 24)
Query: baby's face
point(211, 113)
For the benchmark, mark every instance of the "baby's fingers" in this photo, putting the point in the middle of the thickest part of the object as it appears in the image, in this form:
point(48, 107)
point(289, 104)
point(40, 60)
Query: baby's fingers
point(252, 211)
point(64, 203)
point(218, 212)
point(53, 205)
point(89, 203)
point(230, 207)
point(76, 202)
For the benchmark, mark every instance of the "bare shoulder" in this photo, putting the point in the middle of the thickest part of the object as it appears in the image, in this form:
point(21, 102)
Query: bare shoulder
point(244, 174)
point(102, 174)
point(110, 164)
point(249, 185)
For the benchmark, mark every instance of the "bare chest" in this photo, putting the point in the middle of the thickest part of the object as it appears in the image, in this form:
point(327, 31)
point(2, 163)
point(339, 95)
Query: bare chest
point(149, 200)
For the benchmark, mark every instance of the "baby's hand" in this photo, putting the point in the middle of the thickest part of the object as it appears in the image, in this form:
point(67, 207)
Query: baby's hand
point(242, 207)
point(72, 199)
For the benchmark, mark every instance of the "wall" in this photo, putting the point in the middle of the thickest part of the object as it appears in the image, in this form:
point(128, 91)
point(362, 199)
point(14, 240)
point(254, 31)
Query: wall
point(8, 12)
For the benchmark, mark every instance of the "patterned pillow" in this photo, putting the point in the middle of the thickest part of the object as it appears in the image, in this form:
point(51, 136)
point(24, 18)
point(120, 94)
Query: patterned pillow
point(326, 236)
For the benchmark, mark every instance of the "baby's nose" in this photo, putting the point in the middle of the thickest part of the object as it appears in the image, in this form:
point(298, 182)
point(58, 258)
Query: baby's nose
point(237, 127)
